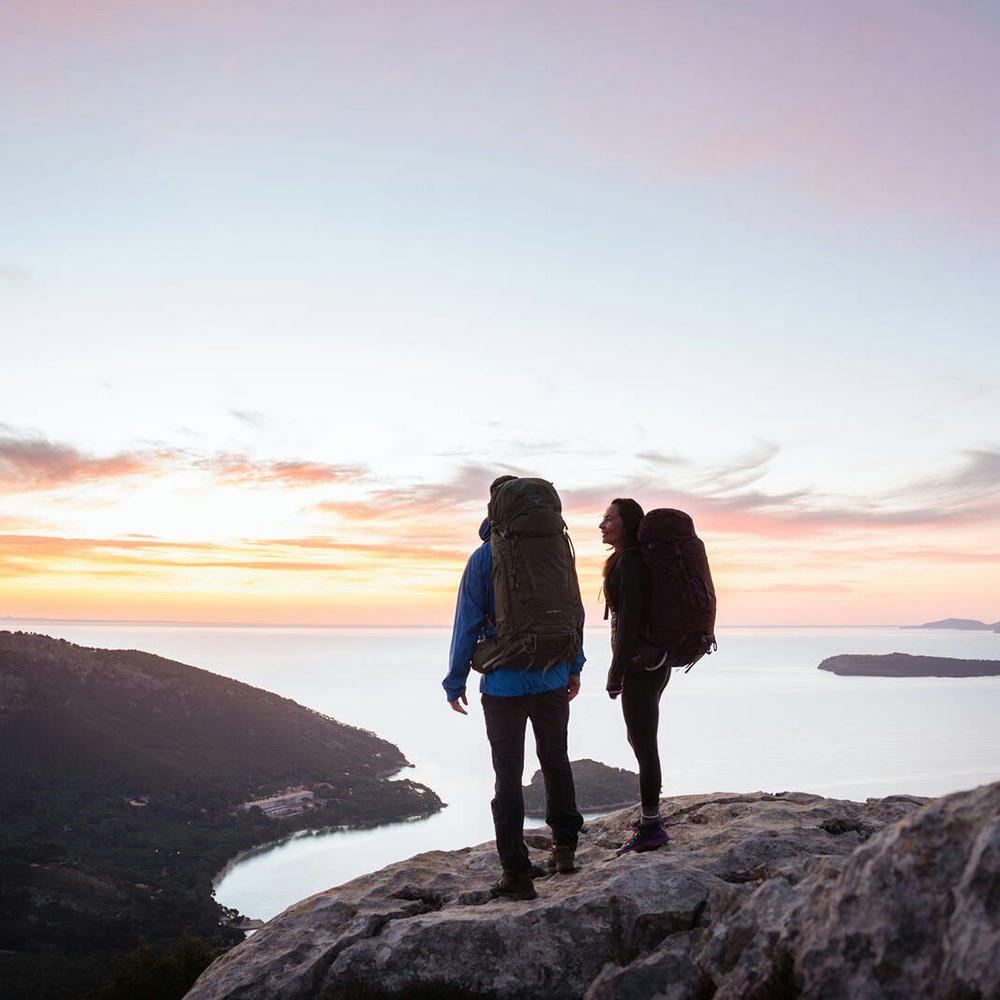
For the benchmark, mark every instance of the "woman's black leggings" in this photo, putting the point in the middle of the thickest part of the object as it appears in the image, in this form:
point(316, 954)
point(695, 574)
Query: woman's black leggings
point(641, 709)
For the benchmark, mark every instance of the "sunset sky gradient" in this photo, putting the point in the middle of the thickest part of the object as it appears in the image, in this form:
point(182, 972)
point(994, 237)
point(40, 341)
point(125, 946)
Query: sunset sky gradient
point(283, 286)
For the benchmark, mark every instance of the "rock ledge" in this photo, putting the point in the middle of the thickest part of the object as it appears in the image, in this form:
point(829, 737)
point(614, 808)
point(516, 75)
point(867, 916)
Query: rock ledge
point(758, 896)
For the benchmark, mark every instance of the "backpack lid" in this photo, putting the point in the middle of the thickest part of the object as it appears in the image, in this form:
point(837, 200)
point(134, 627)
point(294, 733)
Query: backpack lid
point(665, 525)
point(519, 495)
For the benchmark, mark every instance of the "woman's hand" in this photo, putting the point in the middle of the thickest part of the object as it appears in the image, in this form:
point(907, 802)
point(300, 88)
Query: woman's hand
point(615, 682)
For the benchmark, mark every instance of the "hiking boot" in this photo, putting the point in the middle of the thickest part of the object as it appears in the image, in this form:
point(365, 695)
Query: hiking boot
point(648, 837)
point(537, 871)
point(513, 885)
point(562, 859)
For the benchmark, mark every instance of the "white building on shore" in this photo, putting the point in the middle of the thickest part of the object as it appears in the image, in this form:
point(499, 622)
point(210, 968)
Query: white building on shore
point(287, 803)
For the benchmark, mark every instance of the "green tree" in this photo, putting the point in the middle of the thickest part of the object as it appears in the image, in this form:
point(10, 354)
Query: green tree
point(145, 974)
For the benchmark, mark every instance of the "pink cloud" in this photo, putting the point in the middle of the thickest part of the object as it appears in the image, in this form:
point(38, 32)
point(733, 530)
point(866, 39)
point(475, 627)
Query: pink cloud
point(34, 463)
point(468, 489)
point(434, 544)
point(721, 503)
point(31, 462)
point(240, 470)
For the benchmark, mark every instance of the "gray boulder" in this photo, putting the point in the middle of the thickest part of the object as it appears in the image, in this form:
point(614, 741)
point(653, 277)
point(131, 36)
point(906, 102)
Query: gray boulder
point(914, 911)
point(757, 896)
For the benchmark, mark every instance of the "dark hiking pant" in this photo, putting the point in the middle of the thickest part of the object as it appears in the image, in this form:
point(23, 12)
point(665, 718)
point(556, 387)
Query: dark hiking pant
point(506, 722)
point(641, 709)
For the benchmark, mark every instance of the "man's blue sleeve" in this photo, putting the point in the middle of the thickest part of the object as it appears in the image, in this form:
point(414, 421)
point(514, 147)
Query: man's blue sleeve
point(471, 612)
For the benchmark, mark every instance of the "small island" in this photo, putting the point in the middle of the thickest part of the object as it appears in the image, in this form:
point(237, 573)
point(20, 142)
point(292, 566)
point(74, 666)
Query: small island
point(599, 788)
point(961, 624)
point(907, 665)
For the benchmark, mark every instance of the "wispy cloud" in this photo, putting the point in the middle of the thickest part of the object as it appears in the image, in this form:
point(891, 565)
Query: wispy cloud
point(721, 500)
point(414, 538)
point(739, 473)
point(728, 499)
point(238, 469)
point(252, 418)
point(31, 462)
point(661, 459)
point(13, 525)
point(35, 463)
point(421, 543)
point(468, 488)
point(981, 473)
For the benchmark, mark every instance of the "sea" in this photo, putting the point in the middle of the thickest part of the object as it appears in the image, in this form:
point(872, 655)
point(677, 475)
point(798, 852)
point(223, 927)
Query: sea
point(756, 715)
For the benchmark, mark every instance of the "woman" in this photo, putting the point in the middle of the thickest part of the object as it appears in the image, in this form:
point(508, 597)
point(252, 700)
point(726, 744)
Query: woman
point(626, 591)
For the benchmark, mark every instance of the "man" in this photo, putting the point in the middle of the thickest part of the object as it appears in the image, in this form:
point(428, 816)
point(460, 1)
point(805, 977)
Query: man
point(511, 697)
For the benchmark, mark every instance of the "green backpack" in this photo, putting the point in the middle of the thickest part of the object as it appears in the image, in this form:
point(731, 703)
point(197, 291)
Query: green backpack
point(539, 613)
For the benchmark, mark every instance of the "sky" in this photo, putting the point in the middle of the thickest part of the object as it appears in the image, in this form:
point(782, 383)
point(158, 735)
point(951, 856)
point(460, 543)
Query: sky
point(284, 286)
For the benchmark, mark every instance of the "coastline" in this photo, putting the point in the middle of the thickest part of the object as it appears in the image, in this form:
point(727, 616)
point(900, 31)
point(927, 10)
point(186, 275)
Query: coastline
point(317, 831)
point(590, 812)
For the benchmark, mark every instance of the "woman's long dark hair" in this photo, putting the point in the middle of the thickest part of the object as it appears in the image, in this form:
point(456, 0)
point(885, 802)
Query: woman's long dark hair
point(631, 514)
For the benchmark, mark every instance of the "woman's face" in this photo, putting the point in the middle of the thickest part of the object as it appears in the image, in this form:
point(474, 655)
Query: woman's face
point(612, 527)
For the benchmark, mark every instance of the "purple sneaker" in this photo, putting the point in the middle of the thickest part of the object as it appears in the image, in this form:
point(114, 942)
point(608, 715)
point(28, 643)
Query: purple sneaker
point(634, 824)
point(648, 837)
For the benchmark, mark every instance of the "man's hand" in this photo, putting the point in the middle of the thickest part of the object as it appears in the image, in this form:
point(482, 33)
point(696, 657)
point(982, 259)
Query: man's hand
point(458, 703)
point(574, 686)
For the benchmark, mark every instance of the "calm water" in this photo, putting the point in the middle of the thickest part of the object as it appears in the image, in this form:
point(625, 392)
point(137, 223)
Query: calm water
point(756, 715)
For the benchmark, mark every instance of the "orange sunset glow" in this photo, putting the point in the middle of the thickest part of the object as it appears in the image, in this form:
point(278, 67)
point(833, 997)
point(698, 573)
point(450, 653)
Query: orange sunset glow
point(307, 543)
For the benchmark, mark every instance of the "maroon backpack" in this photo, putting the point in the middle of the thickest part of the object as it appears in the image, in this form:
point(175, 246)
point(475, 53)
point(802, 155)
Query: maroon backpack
point(681, 626)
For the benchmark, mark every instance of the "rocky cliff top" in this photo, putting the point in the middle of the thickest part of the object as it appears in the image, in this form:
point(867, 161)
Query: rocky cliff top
point(757, 896)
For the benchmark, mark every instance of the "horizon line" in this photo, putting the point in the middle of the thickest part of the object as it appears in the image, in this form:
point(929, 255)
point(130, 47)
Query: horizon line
point(189, 623)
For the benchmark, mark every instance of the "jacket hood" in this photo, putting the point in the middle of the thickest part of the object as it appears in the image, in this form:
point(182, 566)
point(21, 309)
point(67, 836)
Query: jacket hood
point(484, 529)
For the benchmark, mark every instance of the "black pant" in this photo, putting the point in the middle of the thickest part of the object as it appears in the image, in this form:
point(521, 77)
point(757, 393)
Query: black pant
point(506, 720)
point(641, 708)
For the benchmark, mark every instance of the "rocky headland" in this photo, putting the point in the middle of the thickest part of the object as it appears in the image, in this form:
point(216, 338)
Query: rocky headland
point(907, 665)
point(757, 896)
point(126, 783)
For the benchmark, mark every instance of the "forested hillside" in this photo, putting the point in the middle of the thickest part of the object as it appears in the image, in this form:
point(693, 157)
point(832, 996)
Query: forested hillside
point(121, 774)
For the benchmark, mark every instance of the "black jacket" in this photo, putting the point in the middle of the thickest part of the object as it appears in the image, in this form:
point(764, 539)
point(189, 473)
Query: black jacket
point(626, 589)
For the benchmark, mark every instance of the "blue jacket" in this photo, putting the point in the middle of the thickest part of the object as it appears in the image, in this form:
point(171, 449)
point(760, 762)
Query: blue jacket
point(473, 614)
